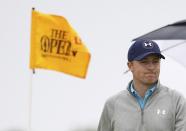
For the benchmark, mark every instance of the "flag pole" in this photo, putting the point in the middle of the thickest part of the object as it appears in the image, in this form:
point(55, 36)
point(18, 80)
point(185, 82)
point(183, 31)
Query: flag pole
point(30, 98)
point(30, 101)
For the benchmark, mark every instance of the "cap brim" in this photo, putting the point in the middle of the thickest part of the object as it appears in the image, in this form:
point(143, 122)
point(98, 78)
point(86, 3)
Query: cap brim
point(147, 54)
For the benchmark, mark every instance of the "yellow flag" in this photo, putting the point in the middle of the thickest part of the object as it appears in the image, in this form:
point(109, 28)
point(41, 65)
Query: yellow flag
point(55, 45)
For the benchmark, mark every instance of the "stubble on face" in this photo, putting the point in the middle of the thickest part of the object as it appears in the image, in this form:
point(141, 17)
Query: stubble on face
point(146, 71)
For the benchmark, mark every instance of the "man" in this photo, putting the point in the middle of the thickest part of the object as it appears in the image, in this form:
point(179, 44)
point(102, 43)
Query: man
point(146, 105)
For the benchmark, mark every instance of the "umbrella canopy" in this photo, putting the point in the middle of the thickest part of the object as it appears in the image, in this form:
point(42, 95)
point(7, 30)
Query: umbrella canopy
point(173, 31)
point(172, 40)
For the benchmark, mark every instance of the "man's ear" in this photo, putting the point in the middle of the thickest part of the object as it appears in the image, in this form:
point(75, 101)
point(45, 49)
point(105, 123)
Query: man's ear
point(129, 64)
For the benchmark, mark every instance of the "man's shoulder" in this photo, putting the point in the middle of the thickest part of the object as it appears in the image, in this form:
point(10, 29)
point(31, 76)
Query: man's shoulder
point(118, 96)
point(173, 93)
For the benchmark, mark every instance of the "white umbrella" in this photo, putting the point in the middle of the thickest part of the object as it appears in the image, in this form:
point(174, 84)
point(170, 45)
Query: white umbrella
point(172, 40)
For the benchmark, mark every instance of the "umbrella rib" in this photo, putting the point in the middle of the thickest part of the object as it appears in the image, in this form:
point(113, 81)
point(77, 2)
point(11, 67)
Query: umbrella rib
point(149, 33)
point(126, 71)
point(173, 46)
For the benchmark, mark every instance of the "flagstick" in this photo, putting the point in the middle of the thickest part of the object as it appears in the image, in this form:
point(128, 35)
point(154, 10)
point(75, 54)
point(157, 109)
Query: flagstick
point(30, 101)
point(30, 98)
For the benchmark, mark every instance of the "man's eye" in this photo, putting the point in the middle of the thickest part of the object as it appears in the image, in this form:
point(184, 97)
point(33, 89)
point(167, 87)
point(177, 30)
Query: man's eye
point(144, 61)
point(156, 61)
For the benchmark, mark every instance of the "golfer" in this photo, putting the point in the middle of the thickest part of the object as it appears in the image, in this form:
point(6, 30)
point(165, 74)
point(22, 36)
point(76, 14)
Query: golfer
point(146, 104)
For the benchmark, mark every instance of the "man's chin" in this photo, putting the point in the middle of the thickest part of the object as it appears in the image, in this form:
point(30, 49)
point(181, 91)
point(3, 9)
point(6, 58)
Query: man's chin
point(151, 82)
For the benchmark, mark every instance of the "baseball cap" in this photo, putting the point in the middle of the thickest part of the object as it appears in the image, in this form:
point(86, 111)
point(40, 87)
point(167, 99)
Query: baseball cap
point(142, 48)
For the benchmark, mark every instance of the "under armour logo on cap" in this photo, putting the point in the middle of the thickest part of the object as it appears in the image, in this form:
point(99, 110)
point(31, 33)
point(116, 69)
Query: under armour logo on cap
point(148, 45)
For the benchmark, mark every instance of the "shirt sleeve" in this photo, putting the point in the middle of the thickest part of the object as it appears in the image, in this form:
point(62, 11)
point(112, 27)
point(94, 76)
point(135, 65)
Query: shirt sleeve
point(180, 121)
point(105, 123)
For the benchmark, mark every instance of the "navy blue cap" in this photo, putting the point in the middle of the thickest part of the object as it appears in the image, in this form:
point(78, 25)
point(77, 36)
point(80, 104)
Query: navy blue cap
point(142, 48)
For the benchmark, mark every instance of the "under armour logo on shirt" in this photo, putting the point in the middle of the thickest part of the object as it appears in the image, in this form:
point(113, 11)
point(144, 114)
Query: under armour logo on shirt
point(161, 112)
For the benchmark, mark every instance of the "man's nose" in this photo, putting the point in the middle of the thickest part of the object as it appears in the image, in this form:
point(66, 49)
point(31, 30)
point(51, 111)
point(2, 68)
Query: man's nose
point(151, 65)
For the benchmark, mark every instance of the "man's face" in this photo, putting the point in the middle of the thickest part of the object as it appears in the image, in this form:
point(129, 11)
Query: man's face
point(146, 71)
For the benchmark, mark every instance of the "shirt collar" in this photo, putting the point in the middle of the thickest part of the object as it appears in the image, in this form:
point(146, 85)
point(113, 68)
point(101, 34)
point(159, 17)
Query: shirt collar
point(149, 91)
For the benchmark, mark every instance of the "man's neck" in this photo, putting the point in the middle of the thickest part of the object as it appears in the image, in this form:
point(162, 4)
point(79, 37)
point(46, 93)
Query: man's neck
point(141, 88)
